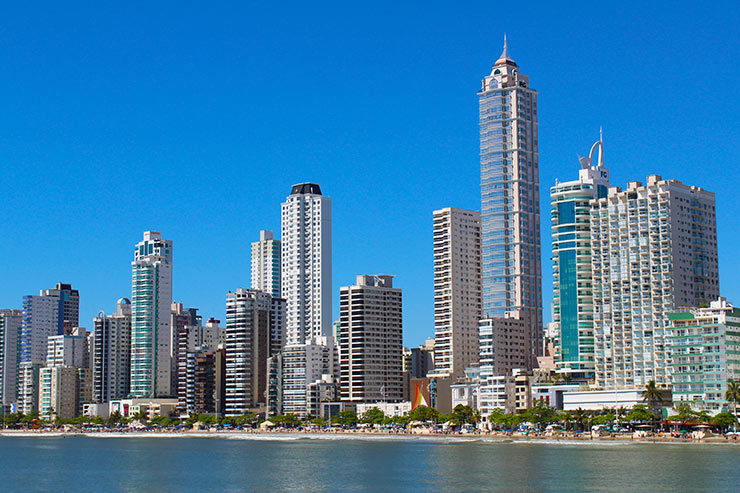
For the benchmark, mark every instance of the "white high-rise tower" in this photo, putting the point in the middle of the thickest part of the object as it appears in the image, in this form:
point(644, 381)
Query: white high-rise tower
point(306, 263)
point(266, 264)
point(457, 290)
point(308, 349)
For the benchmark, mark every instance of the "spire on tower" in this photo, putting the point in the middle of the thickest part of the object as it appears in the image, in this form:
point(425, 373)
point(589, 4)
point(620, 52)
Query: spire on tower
point(504, 58)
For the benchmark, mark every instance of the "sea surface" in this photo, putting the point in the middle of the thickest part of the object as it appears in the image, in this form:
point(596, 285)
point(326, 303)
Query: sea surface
point(298, 463)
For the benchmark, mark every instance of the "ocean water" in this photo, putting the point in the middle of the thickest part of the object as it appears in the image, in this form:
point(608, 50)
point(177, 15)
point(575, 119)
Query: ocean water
point(297, 463)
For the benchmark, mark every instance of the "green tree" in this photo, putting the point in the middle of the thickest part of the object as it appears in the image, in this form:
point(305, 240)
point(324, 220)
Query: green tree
point(373, 416)
point(604, 419)
point(245, 419)
point(423, 413)
point(464, 414)
point(287, 420)
point(685, 414)
point(140, 416)
point(541, 414)
point(580, 417)
point(724, 420)
point(640, 414)
point(345, 418)
point(114, 419)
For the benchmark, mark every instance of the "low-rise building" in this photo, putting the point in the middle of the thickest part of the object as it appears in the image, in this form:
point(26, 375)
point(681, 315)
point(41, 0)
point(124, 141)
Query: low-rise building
point(704, 344)
point(153, 407)
point(596, 400)
point(390, 409)
point(324, 390)
point(466, 391)
point(551, 394)
point(59, 392)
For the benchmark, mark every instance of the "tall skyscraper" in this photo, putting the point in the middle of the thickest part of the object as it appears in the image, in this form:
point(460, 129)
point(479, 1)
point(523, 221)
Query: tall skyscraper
point(69, 306)
point(111, 353)
point(307, 344)
point(266, 264)
point(371, 348)
point(573, 302)
point(654, 249)
point(151, 332)
point(306, 263)
point(53, 312)
point(457, 290)
point(247, 344)
point(10, 348)
point(510, 205)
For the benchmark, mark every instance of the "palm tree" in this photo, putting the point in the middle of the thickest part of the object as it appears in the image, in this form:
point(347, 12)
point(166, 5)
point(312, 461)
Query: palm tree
point(732, 396)
point(580, 416)
point(653, 396)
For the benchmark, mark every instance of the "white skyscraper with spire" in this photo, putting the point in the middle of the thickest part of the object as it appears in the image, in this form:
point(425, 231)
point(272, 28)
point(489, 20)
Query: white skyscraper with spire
point(510, 205)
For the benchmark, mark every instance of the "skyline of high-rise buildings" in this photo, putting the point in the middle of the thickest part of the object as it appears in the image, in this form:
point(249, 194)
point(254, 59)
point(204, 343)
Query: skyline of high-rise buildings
point(623, 260)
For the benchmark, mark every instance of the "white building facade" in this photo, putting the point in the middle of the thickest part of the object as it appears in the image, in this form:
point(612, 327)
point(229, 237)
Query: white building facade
point(266, 264)
point(654, 248)
point(704, 348)
point(306, 263)
point(371, 341)
point(457, 290)
point(111, 353)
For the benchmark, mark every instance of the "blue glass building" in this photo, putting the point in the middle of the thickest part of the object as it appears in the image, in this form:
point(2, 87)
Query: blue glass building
point(510, 207)
point(573, 303)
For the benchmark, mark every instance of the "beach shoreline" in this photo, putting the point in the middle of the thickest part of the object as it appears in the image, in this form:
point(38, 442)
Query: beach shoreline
point(257, 435)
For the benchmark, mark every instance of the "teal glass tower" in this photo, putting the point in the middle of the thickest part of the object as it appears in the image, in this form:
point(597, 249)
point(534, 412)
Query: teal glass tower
point(573, 310)
point(151, 328)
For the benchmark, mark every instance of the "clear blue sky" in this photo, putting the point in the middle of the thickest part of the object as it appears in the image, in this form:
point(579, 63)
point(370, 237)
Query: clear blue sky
point(196, 122)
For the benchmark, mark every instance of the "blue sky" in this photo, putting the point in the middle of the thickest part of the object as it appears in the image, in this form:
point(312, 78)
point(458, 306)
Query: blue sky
point(195, 121)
